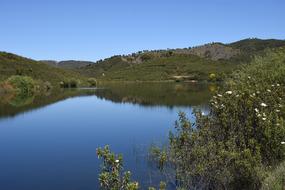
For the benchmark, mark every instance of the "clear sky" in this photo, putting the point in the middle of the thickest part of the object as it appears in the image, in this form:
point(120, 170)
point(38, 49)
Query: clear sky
point(95, 29)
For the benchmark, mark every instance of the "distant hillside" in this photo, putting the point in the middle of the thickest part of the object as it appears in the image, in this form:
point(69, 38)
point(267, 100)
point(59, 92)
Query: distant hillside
point(195, 63)
point(253, 45)
point(11, 64)
point(70, 64)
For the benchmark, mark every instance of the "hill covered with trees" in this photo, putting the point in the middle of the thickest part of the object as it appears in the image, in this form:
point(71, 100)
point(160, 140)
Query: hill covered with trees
point(11, 64)
point(195, 63)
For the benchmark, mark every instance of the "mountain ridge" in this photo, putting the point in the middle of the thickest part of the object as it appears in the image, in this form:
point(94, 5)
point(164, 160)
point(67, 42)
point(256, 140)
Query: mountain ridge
point(196, 63)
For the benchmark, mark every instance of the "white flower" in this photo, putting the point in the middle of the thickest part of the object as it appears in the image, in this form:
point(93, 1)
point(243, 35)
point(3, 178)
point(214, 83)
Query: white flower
point(259, 115)
point(229, 92)
point(277, 84)
point(283, 142)
point(257, 92)
point(277, 111)
point(263, 118)
point(237, 95)
point(219, 95)
point(249, 77)
point(117, 161)
point(272, 85)
point(263, 105)
point(277, 124)
point(268, 90)
point(256, 110)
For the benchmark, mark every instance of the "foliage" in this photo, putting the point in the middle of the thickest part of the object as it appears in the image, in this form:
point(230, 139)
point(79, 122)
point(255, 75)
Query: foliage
point(111, 176)
point(229, 148)
point(275, 179)
point(251, 45)
point(162, 186)
point(11, 64)
point(157, 68)
point(193, 63)
point(92, 82)
point(212, 77)
point(21, 84)
point(69, 83)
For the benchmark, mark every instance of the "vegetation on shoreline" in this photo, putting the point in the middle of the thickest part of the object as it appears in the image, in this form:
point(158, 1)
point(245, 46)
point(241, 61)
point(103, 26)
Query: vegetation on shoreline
point(11, 64)
point(240, 141)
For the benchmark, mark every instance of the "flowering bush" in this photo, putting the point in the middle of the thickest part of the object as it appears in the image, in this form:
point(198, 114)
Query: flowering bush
point(243, 133)
point(111, 176)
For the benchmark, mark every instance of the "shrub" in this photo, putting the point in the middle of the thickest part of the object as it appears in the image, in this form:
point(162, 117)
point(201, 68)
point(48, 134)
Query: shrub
point(69, 83)
point(212, 77)
point(21, 84)
point(228, 148)
point(73, 83)
point(92, 82)
point(111, 176)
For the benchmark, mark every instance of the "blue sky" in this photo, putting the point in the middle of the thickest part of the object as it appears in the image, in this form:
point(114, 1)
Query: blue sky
point(95, 29)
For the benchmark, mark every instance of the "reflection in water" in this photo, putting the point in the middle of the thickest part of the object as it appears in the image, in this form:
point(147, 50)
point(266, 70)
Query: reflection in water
point(165, 94)
point(145, 94)
point(13, 104)
point(54, 146)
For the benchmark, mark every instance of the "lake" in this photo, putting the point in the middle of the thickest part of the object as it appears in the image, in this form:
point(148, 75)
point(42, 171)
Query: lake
point(49, 141)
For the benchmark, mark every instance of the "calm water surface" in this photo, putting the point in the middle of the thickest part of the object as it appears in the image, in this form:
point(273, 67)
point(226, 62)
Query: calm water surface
point(50, 142)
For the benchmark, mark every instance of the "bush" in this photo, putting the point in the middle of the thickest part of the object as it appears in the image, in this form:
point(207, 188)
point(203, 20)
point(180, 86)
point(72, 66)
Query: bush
point(242, 134)
point(69, 83)
point(92, 82)
point(111, 176)
point(212, 77)
point(21, 84)
point(73, 83)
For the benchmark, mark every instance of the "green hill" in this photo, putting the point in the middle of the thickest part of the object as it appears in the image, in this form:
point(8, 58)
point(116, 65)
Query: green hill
point(11, 64)
point(195, 63)
point(69, 64)
point(207, 62)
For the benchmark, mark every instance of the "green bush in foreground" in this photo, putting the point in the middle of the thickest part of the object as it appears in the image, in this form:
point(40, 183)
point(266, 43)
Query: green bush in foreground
point(242, 135)
point(112, 176)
